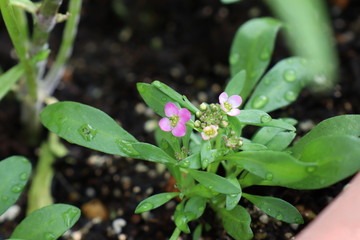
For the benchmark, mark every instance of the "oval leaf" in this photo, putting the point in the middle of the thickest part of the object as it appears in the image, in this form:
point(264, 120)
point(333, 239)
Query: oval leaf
point(88, 127)
point(345, 124)
point(214, 182)
point(47, 223)
point(236, 84)
point(14, 172)
point(236, 222)
point(251, 50)
point(281, 85)
point(276, 207)
point(155, 201)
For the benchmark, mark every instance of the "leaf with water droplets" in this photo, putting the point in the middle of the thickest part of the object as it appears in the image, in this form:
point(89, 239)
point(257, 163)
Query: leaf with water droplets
point(236, 222)
point(155, 201)
point(280, 86)
point(214, 182)
point(233, 199)
point(251, 50)
point(261, 118)
point(14, 172)
point(85, 126)
point(236, 83)
point(47, 223)
point(276, 207)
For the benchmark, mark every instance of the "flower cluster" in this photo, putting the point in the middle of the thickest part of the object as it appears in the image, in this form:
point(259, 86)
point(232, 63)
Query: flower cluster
point(210, 118)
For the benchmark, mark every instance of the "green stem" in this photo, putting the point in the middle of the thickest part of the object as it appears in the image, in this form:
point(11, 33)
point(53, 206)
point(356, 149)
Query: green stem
point(176, 234)
point(18, 38)
point(53, 77)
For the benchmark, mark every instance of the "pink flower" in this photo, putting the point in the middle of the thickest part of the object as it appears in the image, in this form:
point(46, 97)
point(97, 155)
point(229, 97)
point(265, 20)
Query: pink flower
point(209, 132)
point(175, 121)
point(230, 104)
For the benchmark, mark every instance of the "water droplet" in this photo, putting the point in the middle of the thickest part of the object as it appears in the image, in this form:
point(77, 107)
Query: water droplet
point(289, 75)
point(127, 147)
point(279, 217)
point(265, 54)
point(87, 132)
point(4, 198)
point(201, 209)
point(290, 96)
point(184, 163)
point(157, 84)
point(204, 162)
point(210, 187)
point(311, 169)
point(303, 61)
point(49, 236)
point(164, 99)
point(267, 81)
point(24, 176)
point(169, 196)
point(265, 118)
point(146, 206)
point(17, 188)
point(269, 176)
point(233, 195)
point(260, 102)
point(141, 89)
point(289, 60)
point(69, 216)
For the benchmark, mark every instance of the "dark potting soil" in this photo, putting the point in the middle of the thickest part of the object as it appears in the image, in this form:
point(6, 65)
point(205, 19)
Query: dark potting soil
point(186, 45)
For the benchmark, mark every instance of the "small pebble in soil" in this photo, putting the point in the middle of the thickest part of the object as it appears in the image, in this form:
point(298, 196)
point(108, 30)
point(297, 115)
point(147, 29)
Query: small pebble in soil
point(95, 209)
point(264, 218)
point(141, 167)
point(288, 235)
point(10, 214)
point(118, 224)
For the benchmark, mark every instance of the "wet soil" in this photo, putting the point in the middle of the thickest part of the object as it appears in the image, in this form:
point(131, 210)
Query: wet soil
point(184, 44)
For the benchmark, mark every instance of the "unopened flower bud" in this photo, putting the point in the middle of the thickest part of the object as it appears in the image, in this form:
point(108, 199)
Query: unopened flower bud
point(198, 114)
point(203, 106)
point(224, 124)
point(197, 123)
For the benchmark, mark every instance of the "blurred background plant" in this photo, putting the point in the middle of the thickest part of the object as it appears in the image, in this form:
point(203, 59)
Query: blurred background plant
point(308, 34)
point(37, 74)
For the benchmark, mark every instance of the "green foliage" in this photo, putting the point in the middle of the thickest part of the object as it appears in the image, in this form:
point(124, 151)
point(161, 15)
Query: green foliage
point(47, 223)
point(14, 172)
point(215, 172)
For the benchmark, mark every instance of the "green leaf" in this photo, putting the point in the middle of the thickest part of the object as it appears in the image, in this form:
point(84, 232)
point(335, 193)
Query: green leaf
point(9, 78)
point(193, 161)
point(276, 168)
point(155, 201)
point(197, 233)
point(281, 141)
point(335, 158)
point(281, 85)
point(157, 94)
point(233, 199)
point(260, 118)
point(14, 172)
point(202, 191)
point(214, 182)
point(230, 1)
point(236, 84)
point(250, 146)
point(149, 152)
point(47, 223)
point(205, 154)
point(181, 218)
point(25, 4)
point(88, 127)
point(236, 222)
point(345, 124)
point(181, 99)
point(251, 50)
point(196, 206)
point(276, 207)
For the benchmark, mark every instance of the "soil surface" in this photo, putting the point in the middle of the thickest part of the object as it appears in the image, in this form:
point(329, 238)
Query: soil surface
point(185, 44)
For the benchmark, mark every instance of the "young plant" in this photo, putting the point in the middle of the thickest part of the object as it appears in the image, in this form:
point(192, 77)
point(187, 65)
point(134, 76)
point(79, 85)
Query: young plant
point(47, 223)
point(203, 147)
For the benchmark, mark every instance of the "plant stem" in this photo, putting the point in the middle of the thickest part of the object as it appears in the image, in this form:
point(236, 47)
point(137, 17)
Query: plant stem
point(175, 235)
point(18, 38)
point(53, 77)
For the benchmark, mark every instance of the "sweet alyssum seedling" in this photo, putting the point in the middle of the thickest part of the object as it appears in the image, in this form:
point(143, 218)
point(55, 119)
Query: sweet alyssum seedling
point(203, 146)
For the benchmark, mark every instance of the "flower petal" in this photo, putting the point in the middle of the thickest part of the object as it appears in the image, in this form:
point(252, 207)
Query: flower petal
point(235, 101)
point(179, 130)
point(223, 98)
point(233, 112)
point(204, 136)
point(165, 124)
point(171, 109)
point(184, 115)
